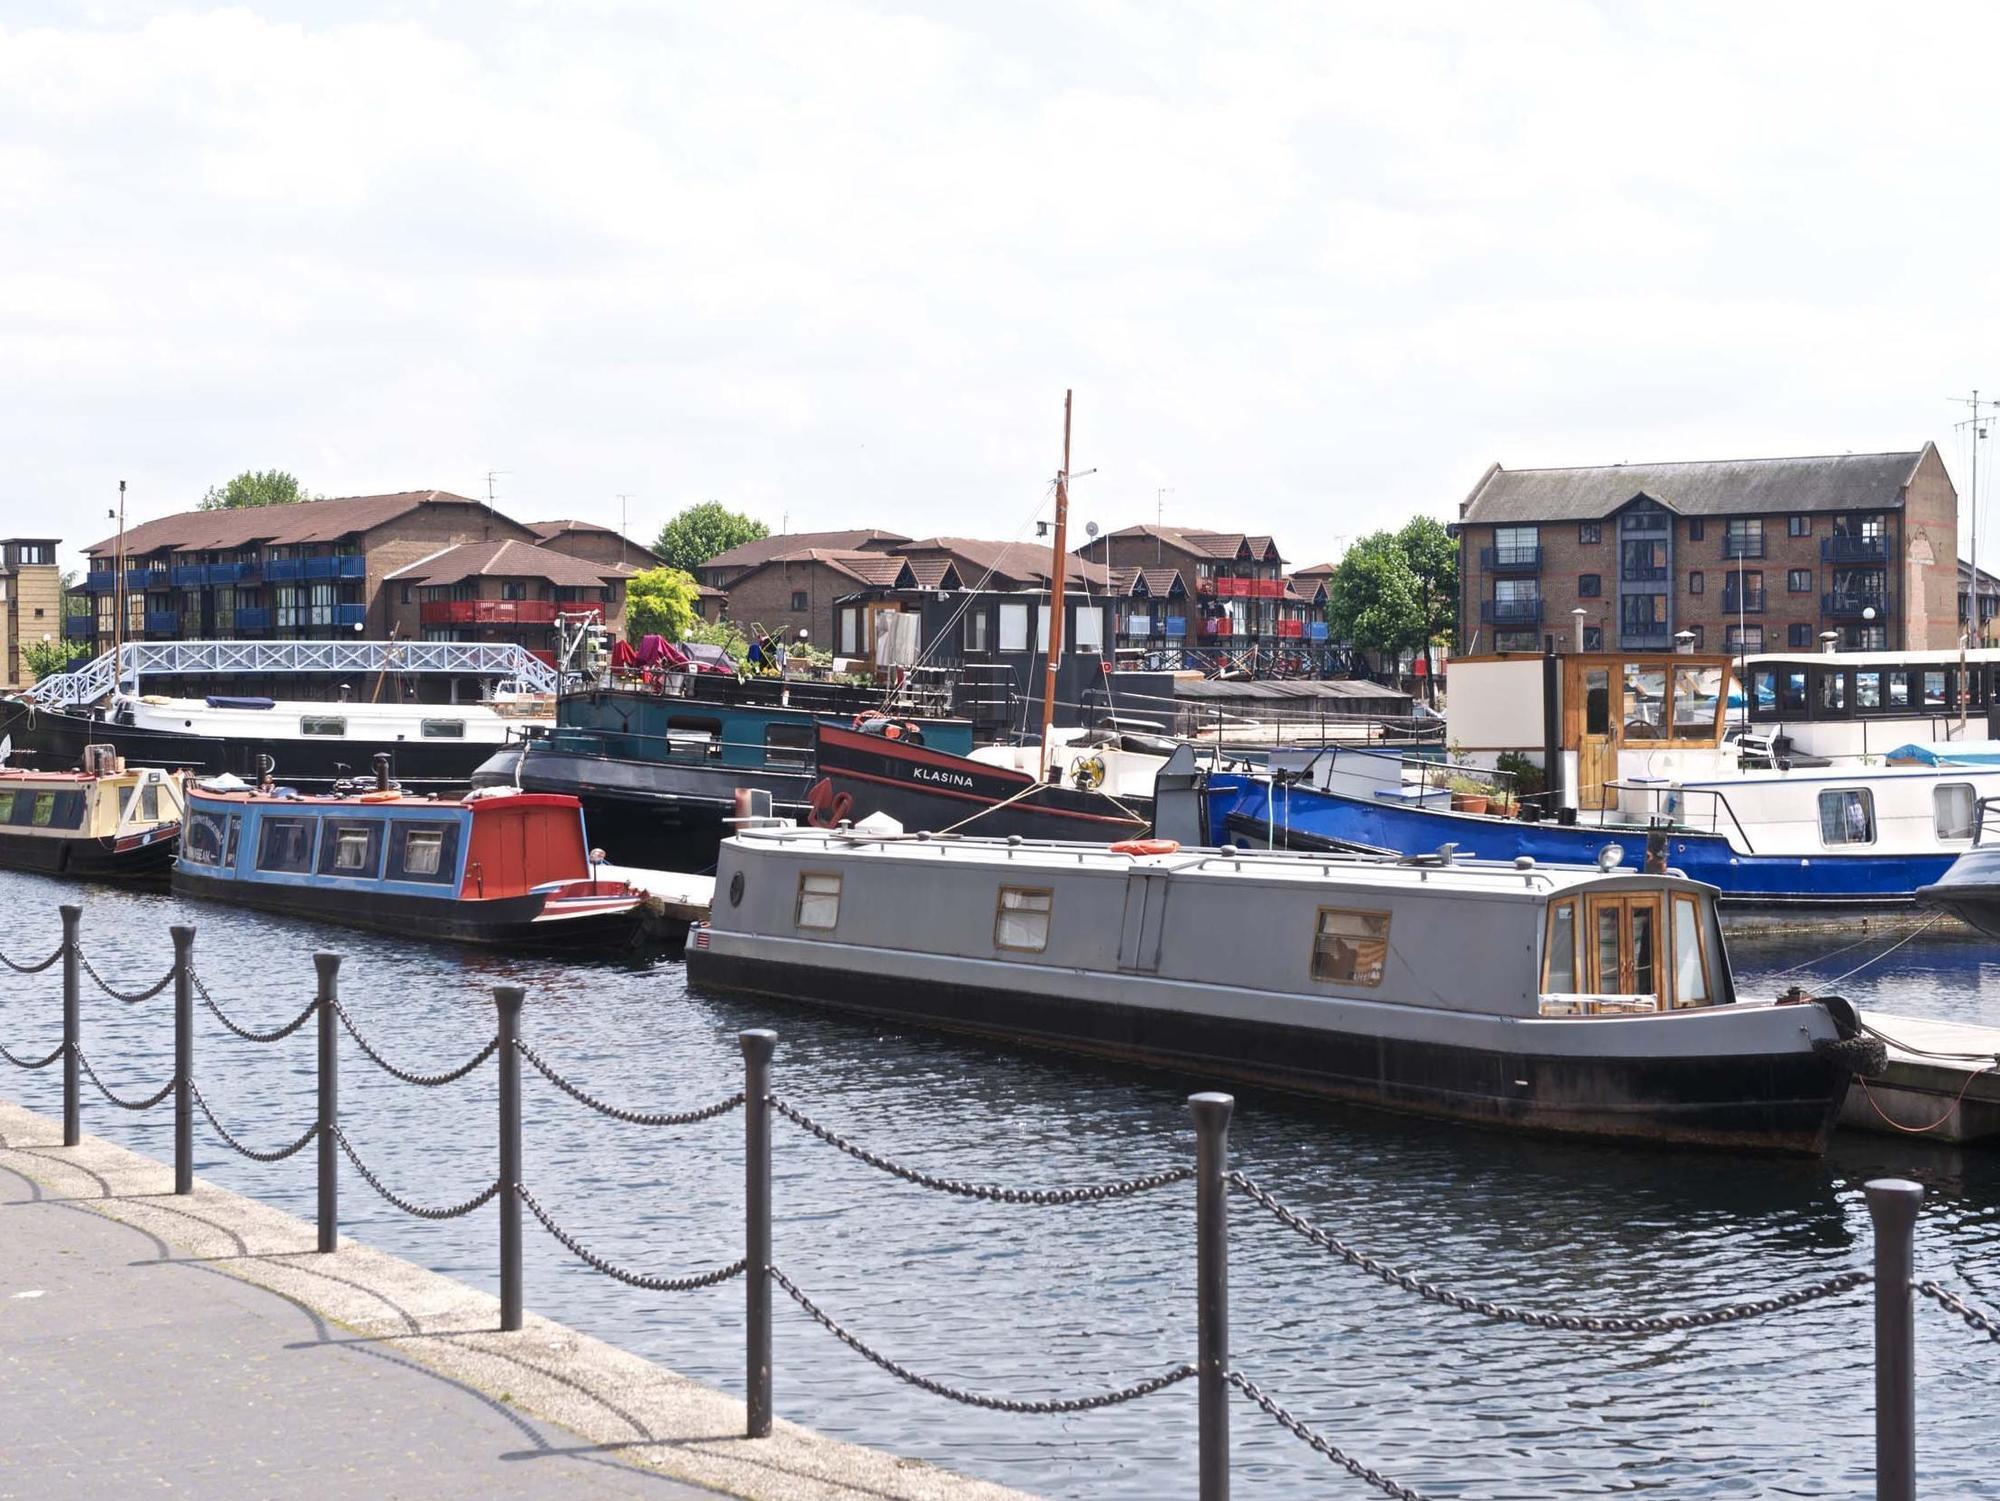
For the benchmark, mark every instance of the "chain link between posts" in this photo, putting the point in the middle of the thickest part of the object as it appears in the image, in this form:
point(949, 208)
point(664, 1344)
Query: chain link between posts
point(630, 1117)
point(61, 1048)
point(251, 1152)
point(617, 1273)
point(426, 1081)
point(251, 1034)
point(118, 1100)
point(1131, 1393)
point(31, 969)
point(421, 1211)
point(1580, 1323)
point(1091, 1194)
point(129, 997)
point(1976, 1321)
point(1321, 1444)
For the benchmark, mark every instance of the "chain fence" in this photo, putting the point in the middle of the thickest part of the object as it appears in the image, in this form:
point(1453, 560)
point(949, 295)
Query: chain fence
point(407, 1076)
point(1132, 1393)
point(1319, 1442)
point(1579, 1323)
point(629, 1117)
point(619, 1274)
point(1950, 1302)
point(251, 1034)
point(421, 1211)
point(61, 1048)
point(129, 997)
point(20, 968)
point(251, 1152)
point(119, 1100)
point(1090, 1194)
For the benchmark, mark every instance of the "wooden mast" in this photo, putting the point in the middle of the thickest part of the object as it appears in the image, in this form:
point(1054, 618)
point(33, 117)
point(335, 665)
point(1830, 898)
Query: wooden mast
point(1052, 648)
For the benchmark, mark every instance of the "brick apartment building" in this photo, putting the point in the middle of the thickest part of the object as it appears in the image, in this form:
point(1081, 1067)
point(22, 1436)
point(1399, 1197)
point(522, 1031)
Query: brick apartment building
point(1747, 555)
point(594, 544)
point(31, 587)
point(722, 570)
point(321, 569)
point(502, 591)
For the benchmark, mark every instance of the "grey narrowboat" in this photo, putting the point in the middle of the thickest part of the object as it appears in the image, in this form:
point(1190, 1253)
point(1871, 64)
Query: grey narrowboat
point(1538, 998)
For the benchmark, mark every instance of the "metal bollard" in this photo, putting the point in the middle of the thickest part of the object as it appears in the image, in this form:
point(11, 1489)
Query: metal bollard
point(328, 966)
point(508, 999)
point(183, 1058)
point(1211, 1277)
point(72, 921)
point(758, 1046)
point(1892, 1205)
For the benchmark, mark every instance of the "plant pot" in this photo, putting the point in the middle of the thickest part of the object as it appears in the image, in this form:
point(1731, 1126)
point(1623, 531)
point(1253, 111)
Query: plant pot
point(1467, 802)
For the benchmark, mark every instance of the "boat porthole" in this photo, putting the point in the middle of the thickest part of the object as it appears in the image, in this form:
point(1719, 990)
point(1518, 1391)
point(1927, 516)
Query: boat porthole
point(736, 889)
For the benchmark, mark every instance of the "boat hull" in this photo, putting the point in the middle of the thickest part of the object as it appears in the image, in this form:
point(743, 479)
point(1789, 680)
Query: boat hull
point(1768, 1099)
point(1968, 891)
point(132, 858)
point(503, 922)
point(931, 790)
point(1333, 820)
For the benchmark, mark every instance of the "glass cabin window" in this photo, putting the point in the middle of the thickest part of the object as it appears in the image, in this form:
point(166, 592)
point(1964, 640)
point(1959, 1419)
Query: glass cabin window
point(1350, 948)
point(1899, 690)
point(819, 901)
point(322, 725)
point(444, 729)
point(1792, 691)
point(351, 850)
point(1833, 692)
point(1561, 970)
point(149, 803)
point(1953, 805)
point(1645, 702)
point(201, 840)
point(1934, 694)
point(1013, 628)
point(285, 844)
point(423, 852)
point(1697, 696)
point(1690, 965)
point(1868, 689)
point(421, 848)
point(1022, 920)
point(1623, 946)
point(1847, 816)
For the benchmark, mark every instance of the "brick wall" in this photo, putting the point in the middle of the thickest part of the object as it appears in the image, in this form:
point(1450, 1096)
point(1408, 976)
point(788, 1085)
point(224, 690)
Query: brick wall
point(415, 536)
point(763, 598)
point(34, 610)
point(1926, 571)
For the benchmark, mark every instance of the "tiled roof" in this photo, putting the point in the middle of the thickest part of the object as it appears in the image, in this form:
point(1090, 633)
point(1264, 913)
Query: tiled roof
point(510, 559)
point(1003, 565)
point(546, 529)
point(1829, 482)
point(1316, 571)
point(1219, 545)
point(763, 549)
point(876, 569)
point(306, 521)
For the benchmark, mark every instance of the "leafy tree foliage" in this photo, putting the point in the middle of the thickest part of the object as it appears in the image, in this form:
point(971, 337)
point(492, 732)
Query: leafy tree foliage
point(659, 602)
point(255, 487)
point(1433, 560)
point(1373, 601)
point(702, 531)
point(47, 658)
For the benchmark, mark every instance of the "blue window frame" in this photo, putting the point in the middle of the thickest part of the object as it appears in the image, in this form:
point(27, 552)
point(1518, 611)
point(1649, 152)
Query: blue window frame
point(286, 845)
point(351, 849)
point(423, 851)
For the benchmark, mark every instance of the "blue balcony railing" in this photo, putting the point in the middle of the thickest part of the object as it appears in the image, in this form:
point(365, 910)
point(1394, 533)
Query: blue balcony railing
point(1846, 605)
point(1510, 612)
point(1854, 549)
point(350, 615)
point(195, 575)
point(163, 622)
point(80, 627)
point(1510, 559)
point(100, 580)
point(141, 579)
point(253, 618)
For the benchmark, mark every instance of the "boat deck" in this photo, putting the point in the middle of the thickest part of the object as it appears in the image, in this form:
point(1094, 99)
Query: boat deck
point(1951, 1098)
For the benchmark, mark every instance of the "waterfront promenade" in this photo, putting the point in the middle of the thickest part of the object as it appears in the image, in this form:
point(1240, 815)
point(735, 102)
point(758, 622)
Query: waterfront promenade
point(154, 1343)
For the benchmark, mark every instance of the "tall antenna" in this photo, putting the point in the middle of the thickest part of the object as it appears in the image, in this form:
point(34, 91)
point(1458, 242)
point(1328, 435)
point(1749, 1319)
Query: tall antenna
point(622, 498)
point(491, 476)
point(1159, 520)
point(1975, 425)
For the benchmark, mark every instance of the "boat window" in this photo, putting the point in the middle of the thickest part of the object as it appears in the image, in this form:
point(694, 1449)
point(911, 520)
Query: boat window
point(423, 852)
point(1763, 690)
point(1597, 702)
point(351, 849)
point(1350, 948)
point(1792, 691)
point(1833, 692)
point(229, 846)
point(1934, 697)
point(149, 803)
point(1899, 690)
point(1847, 816)
point(1868, 690)
point(1013, 627)
point(819, 900)
point(1645, 702)
point(1623, 948)
point(443, 729)
point(1697, 697)
point(1690, 964)
point(1561, 967)
point(1022, 920)
point(1953, 806)
point(788, 744)
point(286, 844)
point(201, 840)
point(45, 809)
point(322, 725)
point(6, 807)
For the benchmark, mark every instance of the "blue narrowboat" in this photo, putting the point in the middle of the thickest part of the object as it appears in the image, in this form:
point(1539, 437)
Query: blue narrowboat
point(497, 868)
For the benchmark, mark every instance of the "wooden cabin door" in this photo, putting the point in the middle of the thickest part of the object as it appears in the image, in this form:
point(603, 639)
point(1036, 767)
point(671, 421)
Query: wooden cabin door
point(1624, 944)
point(1596, 752)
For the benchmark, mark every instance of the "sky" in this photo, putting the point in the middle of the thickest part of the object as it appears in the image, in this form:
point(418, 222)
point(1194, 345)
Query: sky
point(1309, 269)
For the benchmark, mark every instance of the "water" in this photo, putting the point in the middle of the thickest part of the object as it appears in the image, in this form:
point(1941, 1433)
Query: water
point(1041, 1302)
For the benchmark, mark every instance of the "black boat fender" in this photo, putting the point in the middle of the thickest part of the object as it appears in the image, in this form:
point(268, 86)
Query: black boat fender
point(1855, 1050)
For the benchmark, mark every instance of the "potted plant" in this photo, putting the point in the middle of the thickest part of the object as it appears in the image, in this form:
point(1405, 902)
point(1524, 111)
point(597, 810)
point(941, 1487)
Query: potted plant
point(1468, 795)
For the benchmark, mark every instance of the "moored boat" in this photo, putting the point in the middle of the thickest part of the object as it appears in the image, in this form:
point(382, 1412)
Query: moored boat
point(1551, 999)
point(105, 822)
point(495, 868)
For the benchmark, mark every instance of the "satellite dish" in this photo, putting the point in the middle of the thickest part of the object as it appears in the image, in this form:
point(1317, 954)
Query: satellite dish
point(1090, 528)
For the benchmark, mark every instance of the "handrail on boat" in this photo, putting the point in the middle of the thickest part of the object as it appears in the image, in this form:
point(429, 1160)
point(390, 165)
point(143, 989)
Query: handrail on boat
point(1715, 794)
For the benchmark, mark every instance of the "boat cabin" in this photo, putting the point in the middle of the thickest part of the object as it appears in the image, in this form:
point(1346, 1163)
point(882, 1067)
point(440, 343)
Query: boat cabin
point(1834, 704)
point(88, 805)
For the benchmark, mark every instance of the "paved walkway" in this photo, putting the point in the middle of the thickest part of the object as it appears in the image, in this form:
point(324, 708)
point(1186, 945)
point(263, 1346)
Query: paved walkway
point(127, 1368)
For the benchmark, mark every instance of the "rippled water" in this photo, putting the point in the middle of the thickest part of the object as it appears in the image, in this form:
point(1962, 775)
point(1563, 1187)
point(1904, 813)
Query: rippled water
point(1041, 1302)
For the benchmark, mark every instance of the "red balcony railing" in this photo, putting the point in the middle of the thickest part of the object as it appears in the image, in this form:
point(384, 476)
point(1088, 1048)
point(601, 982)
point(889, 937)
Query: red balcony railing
point(489, 612)
point(1235, 588)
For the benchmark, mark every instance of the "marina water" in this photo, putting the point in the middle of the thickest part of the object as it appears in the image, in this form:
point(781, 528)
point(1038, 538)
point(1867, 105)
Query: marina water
point(1034, 1302)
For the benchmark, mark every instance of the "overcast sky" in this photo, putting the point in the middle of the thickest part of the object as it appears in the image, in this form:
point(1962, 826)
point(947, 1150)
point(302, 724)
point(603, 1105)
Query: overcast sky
point(1309, 268)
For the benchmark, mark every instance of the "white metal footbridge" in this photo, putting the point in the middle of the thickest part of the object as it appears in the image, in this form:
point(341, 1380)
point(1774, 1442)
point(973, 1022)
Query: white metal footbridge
point(124, 669)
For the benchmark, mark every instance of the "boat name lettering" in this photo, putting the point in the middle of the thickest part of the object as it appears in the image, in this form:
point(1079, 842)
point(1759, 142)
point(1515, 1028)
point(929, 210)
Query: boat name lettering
point(937, 774)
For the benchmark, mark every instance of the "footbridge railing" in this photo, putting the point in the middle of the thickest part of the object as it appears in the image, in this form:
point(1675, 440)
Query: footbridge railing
point(132, 662)
point(1216, 1370)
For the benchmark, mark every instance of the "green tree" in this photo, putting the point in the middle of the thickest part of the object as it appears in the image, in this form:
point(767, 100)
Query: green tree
point(723, 633)
point(1433, 560)
point(702, 531)
point(1373, 600)
point(659, 602)
point(255, 487)
point(47, 658)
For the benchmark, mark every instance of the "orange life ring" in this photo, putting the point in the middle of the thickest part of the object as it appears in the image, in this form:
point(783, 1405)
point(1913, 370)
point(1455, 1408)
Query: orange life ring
point(381, 797)
point(1145, 846)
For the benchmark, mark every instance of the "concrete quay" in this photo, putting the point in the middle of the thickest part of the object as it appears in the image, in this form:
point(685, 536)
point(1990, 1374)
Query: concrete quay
point(198, 1344)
